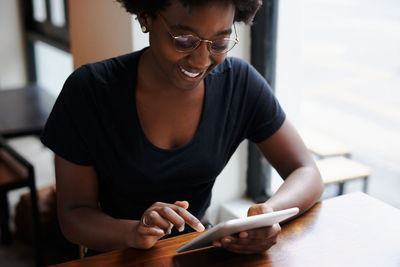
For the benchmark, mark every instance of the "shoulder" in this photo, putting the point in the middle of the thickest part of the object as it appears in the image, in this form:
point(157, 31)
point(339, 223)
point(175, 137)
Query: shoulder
point(103, 77)
point(240, 72)
point(112, 70)
point(231, 64)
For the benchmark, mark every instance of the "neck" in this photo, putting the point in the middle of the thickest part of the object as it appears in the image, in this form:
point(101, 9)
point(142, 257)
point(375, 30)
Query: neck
point(151, 80)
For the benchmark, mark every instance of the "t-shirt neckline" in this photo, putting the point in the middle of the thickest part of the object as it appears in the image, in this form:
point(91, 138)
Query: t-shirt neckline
point(136, 115)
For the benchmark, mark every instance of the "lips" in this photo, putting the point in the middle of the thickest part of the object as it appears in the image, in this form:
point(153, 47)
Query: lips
point(190, 74)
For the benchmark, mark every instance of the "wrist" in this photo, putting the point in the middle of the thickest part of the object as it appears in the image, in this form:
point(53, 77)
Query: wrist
point(129, 234)
point(136, 238)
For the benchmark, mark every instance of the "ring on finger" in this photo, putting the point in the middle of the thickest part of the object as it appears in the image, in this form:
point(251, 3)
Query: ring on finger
point(143, 220)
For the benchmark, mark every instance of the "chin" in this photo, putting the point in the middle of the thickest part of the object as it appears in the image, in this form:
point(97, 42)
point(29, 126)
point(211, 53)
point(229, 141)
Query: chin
point(186, 82)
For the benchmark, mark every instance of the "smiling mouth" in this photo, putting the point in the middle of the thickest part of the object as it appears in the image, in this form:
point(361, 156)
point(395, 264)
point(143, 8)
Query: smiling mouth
point(188, 73)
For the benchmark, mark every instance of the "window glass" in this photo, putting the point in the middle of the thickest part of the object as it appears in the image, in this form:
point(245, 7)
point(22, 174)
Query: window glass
point(338, 76)
point(53, 66)
point(39, 10)
point(57, 12)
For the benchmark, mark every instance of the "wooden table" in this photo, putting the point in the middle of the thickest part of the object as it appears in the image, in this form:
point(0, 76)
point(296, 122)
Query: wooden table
point(350, 230)
point(24, 111)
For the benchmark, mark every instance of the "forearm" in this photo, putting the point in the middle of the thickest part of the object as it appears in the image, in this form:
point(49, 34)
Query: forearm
point(96, 230)
point(302, 188)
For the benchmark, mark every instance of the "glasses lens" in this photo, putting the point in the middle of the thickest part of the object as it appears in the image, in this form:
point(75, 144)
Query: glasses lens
point(186, 42)
point(222, 46)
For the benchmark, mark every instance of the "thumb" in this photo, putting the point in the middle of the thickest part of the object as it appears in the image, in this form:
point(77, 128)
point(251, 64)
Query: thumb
point(183, 204)
point(259, 209)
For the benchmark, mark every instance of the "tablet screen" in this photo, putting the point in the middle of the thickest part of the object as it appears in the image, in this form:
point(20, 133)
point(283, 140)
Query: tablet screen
point(236, 226)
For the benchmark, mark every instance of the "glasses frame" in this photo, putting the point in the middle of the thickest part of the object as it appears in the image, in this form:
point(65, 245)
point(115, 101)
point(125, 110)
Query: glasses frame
point(208, 42)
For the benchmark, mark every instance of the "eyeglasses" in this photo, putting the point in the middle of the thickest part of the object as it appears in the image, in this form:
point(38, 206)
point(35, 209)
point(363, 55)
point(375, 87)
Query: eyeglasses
point(188, 43)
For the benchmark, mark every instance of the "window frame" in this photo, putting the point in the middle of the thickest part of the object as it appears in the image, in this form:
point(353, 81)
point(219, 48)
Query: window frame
point(46, 31)
point(263, 58)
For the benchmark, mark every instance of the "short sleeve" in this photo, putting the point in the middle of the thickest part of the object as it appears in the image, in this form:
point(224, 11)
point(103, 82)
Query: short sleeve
point(266, 114)
point(65, 128)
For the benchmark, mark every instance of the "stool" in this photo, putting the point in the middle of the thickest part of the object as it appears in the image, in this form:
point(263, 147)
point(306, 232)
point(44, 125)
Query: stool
point(322, 146)
point(341, 169)
point(17, 172)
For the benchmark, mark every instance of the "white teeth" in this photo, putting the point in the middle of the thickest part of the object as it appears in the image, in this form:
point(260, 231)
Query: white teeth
point(190, 74)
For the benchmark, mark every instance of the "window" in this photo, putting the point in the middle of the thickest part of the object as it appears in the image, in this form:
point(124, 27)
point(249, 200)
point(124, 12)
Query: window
point(46, 32)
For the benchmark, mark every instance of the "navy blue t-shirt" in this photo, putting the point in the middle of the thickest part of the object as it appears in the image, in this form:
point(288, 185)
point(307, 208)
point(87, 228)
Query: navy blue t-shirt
point(95, 122)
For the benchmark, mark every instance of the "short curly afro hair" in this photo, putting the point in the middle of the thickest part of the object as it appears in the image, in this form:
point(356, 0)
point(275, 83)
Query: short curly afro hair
point(245, 10)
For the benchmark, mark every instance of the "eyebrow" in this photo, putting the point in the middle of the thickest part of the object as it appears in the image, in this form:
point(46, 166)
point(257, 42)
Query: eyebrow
point(186, 28)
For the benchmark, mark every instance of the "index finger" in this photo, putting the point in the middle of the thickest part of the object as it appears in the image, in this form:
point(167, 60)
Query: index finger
point(191, 220)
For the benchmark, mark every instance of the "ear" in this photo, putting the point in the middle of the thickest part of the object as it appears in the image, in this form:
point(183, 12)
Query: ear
point(144, 20)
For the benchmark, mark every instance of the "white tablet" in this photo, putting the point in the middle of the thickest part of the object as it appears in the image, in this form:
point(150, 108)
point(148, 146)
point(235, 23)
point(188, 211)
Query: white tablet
point(237, 226)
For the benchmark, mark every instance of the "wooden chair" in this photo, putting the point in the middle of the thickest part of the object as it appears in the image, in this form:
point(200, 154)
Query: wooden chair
point(341, 169)
point(16, 172)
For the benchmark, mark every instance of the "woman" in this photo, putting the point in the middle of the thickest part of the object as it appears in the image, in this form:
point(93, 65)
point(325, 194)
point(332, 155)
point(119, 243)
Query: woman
point(139, 139)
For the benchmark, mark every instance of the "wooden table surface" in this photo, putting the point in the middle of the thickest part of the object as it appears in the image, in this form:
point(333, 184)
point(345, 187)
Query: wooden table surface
point(350, 230)
point(24, 111)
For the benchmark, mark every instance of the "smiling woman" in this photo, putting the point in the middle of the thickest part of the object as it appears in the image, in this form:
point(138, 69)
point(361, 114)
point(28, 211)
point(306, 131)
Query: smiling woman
point(141, 138)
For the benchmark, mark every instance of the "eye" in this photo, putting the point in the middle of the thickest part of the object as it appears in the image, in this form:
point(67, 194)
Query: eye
point(185, 42)
point(221, 45)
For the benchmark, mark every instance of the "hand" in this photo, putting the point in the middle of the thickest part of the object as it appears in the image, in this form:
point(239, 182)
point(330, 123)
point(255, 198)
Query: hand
point(158, 221)
point(253, 241)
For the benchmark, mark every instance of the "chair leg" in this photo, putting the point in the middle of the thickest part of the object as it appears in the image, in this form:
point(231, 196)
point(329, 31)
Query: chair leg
point(38, 244)
point(365, 186)
point(341, 188)
point(6, 236)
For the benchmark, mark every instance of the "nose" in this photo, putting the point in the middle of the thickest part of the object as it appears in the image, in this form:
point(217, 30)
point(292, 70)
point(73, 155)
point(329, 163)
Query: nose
point(200, 58)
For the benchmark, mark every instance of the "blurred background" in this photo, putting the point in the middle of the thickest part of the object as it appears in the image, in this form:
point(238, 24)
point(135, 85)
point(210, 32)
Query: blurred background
point(337, 77)
point(346, 57)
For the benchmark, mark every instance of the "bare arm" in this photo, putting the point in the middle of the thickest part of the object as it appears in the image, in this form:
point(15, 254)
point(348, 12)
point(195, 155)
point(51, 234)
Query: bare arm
point(288, 155)
point(78, 210)
point(302, 188)
point(83, 222)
